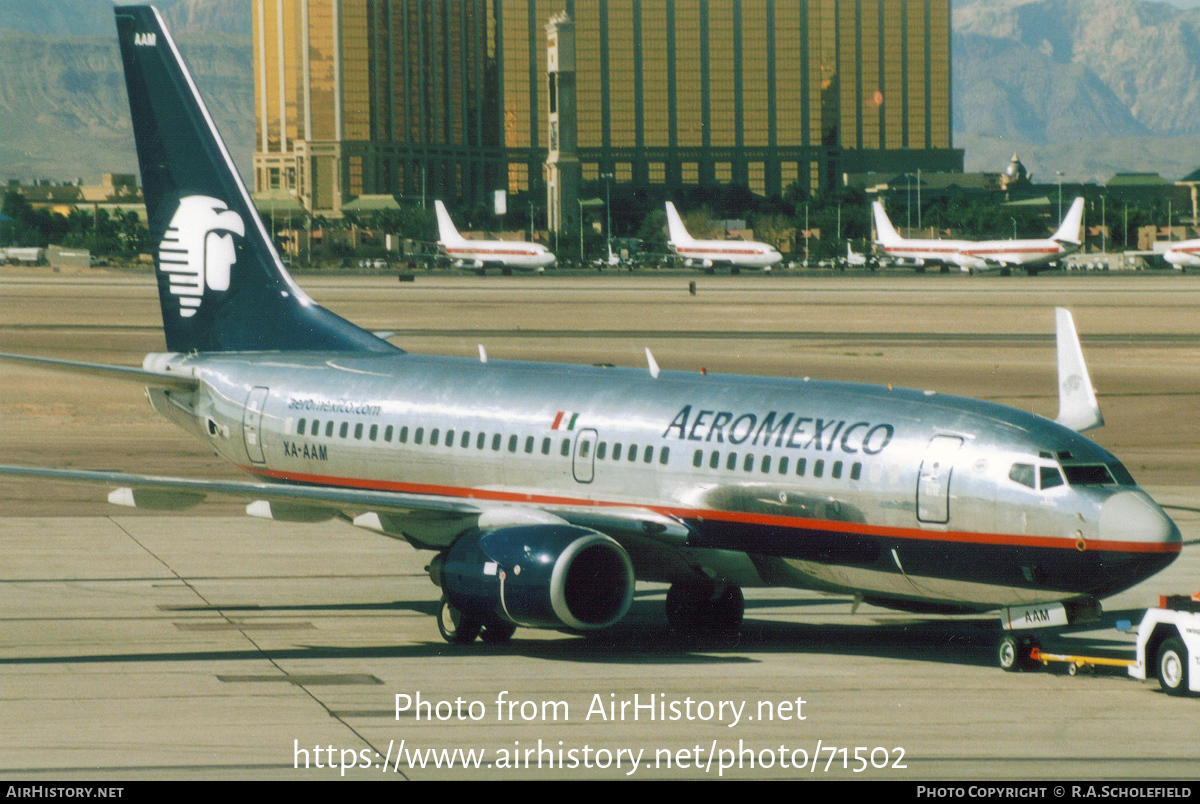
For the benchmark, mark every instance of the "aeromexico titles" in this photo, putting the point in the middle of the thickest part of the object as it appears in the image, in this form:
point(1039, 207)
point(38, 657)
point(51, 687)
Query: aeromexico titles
point(546, 490)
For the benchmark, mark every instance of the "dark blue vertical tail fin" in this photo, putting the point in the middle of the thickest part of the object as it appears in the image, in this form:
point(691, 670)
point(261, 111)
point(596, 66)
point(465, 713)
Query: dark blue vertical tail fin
point(221, 284)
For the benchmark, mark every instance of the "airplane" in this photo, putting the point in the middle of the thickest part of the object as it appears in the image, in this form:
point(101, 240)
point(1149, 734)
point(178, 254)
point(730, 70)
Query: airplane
point(1183, 255)
point(737, 254)
point(546, 491)
point(854, 260)
point(507, 255)
point(984, 255)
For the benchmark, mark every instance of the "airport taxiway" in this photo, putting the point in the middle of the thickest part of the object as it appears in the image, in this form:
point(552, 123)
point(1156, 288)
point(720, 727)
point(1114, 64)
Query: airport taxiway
point(210, 645)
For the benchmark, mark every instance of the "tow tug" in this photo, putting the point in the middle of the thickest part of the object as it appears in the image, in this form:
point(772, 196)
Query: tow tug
point(1168, 646)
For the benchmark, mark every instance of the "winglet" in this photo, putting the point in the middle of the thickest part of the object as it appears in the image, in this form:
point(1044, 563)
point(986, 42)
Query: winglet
point(652, 364)
point(1077, 407)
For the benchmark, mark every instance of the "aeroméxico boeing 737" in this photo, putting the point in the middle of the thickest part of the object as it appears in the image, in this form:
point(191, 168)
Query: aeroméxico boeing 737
point(546, 490)
point(507, 255)
point(984, 255)
point(736, 254)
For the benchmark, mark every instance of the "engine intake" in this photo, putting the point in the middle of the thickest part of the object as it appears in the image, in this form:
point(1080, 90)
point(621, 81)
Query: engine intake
point(538, 576)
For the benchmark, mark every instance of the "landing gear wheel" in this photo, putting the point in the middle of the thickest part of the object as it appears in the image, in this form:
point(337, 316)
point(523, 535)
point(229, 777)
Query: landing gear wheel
point(1013, 653)
point(457, 628)
point(1173, 667)
point(694, 609)
point(498, 632)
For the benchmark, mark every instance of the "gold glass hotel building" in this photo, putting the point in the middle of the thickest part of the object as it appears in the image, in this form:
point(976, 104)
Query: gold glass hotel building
point(448, 98)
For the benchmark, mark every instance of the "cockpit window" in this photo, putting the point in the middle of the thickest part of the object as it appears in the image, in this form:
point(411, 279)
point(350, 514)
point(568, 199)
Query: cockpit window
point(1051, 477)
point(1095, 475)
point(1122, 474)
point(1023, 473)
point(1113, 474)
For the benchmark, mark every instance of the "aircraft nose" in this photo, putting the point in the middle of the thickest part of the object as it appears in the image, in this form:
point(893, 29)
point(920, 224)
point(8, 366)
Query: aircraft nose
point(1131, 516)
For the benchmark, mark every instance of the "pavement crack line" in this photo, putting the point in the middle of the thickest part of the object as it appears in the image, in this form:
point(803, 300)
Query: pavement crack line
point(265, 655)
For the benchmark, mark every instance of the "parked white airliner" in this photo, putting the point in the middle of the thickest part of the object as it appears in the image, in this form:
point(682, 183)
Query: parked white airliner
point(507, 255)
point(1184, 254)
point(707, 253)
point(546, 490)
point(984, 255)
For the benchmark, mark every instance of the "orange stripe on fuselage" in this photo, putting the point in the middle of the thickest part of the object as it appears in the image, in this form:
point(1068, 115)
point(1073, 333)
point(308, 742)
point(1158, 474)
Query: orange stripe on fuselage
point(960, 537)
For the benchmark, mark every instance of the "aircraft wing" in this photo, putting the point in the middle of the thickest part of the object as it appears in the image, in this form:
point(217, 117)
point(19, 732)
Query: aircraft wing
point(428, 521)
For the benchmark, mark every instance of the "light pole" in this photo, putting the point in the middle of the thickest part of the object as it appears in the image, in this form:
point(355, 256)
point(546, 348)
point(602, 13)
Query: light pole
point(1060, 177)
point(1103, 224)
point(1014, 220)
point(580, 202)
point(608, 177)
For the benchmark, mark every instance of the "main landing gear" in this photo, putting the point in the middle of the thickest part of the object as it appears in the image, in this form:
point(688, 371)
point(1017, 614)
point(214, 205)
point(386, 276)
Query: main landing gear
point(696, 609)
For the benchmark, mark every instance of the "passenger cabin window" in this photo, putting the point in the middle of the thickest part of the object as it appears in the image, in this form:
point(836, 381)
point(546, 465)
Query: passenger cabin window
point(344, 429)
point(374, 434)
point(801, 463)
point(565, 449)
point(698, 458)
point(664, 455)
point(404, 435)
point(528, 445)
point(419, 436)
point(715, 460)
point(329, 429)
point(433, 436)
point(783, 465)
point(601, 450)
point(819, 468)
point(616, 450)
point(546, 447)
point(449, 438)
point(358, 430)
point(648, 455)
point(512, 443)
point(496, 442)
point(480, 441)
point(300, 427)
point(387, 433)
point(466, 439)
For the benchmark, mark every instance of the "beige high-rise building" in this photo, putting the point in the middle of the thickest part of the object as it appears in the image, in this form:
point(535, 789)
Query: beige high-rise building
point(449, 97)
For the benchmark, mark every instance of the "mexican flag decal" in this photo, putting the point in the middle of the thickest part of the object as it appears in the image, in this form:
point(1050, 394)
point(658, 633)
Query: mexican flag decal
point(564, 421)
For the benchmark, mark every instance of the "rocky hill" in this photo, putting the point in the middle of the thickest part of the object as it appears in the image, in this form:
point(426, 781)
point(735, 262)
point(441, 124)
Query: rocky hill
point(1088, 87)
point(63, 108)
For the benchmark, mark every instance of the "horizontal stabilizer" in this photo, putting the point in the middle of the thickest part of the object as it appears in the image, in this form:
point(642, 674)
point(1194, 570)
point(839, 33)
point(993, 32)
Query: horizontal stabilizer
point(1077, 407)
point(136, 376)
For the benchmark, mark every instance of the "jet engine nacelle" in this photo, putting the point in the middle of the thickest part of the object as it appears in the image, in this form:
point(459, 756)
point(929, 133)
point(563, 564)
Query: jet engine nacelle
point(538, 576)
point(468, 264)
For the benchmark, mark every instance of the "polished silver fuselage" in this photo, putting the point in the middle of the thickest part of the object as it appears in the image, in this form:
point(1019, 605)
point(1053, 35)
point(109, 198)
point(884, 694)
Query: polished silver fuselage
point(900, 496)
